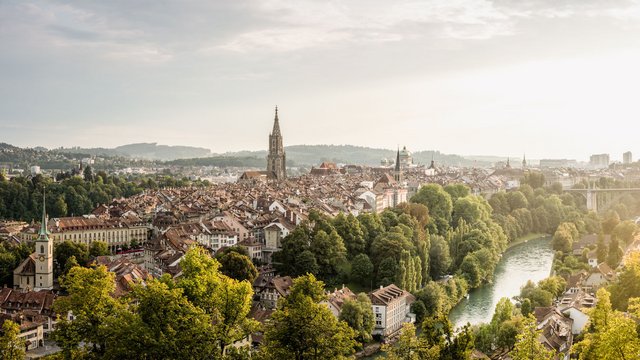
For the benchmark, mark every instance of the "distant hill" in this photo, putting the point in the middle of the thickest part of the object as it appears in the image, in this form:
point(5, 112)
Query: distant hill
point(297, 155)
point(348, 154)
point(149, 151)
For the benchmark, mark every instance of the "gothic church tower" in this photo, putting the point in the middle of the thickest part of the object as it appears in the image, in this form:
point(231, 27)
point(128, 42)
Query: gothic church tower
point(276, 159)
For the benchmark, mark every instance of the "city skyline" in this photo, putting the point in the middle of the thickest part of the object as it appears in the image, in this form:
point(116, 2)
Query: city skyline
point(549, 79)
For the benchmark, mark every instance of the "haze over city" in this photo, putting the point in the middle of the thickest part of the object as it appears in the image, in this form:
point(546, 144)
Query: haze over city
point(546, 78)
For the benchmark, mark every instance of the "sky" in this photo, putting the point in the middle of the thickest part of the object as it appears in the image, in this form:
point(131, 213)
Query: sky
point(549, 78)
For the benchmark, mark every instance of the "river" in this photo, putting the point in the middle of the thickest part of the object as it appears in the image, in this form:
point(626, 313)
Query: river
point(531, 260)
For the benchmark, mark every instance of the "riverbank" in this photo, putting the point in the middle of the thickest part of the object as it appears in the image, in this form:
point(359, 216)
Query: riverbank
point(528, 259)
point(525, 238)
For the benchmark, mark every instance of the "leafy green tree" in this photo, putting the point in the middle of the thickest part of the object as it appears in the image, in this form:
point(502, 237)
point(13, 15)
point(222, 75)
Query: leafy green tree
point(98, 248)
point(419, 309)
point(90, 301)
point(517, 200)
point(409, 347)
point(610, 222)
point(64, 250)
point(615, 252)
point(601, 249)
point(527, 346)
point(562, 240)
point(302, 328)
point(226, 300)
point(358, 314)
point(472, 209)
point(525, 307)
point(534, 179)
point(387, 271)
point(11, 345)
point(537, 296)
point(628, 284)
point(457, 191)
point(612, 334)
point(164, 325)
point(329, 251)
point(237, 266)
point(626, 231)
point(437, 331)
point(88, 173)
point(371, 226)
point(348, 227)
point(362, 269)
point(439, 258)
point(471, 271)
point(70, 264)
point(439, 203)
point(293, 245)
point(306, 264)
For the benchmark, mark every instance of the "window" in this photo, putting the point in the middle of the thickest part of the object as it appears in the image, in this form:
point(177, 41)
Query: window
point(41, 249)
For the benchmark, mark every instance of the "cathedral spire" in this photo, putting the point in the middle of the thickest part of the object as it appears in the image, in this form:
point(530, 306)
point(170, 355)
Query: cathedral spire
point(398, 160)
point(276, 124)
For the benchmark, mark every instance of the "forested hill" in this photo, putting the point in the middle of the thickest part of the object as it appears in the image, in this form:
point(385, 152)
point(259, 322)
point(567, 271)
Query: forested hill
point(149, 151)
point(349, 154)
point(301, 155)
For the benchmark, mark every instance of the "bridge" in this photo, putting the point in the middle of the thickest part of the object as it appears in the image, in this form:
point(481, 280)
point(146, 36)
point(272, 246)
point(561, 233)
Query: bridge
point(592, 194)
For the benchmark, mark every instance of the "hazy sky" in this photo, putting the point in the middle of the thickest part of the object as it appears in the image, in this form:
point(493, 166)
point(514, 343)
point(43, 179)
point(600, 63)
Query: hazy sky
point(552, 78)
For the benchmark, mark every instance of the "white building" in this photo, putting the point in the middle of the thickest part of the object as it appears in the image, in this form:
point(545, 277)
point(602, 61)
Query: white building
point(391, 308)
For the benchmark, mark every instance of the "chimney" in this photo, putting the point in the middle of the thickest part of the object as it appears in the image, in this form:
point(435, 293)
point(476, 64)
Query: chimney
point(381, 287)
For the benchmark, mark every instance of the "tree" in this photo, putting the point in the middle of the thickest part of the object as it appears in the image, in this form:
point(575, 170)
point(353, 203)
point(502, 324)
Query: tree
point(525, 307)
point(562, 240)
point(89, 300)
point(409, 347)
point(439, 203)
point(628, 284)
point(534, 179)
point(612, 334)
point(348, 227)
point(610, 222)
point(470, 269)
point(358, 314)
point(626, 231)
point(615, 252)
point(237, 266)
point(70, 264)
point(64, 250)
point(306, 264)
point(164, 325)
point(601, 249)
point(302, 328)
point(527, 346)
point(98, 248)
point(226, 300)
point(361, 269)
point(11, 345)
point(329, 251)
point(437, 331)
point(439, 258)
point(88, 173)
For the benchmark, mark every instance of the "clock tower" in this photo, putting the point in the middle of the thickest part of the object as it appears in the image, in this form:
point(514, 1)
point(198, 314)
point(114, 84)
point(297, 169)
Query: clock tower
point(44, 255)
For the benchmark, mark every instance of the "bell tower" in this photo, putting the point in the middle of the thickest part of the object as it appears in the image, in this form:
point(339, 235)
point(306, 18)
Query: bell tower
point(44, 255)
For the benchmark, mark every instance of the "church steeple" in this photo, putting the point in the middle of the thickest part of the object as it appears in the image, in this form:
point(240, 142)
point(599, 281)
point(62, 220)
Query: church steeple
point(397, 173)
point(44, 255)
point(43, 225)
point(276, 159)
point(276, 124)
